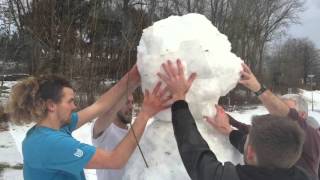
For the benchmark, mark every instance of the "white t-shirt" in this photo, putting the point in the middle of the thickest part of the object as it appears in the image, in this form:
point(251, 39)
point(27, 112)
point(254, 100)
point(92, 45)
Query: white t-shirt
point(109, 140)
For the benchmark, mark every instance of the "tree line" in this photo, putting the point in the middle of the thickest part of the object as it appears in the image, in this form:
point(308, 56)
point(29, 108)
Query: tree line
point(91, 41)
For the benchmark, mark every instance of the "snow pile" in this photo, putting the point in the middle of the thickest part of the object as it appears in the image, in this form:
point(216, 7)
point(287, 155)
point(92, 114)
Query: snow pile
point(204, 50)
point(313, 99)
point(311, 96)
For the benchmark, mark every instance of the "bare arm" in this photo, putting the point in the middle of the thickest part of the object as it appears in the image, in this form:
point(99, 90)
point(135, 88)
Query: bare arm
point(274, 104)
point(107, 118)
point(220, 121)
point(128, 83)
point(117, 158)
point(153, 103)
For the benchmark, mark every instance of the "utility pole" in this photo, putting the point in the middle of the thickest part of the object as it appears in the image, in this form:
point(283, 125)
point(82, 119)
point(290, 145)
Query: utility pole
point(311, 76)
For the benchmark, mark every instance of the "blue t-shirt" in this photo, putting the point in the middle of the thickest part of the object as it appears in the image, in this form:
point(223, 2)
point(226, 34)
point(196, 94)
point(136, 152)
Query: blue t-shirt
point(55, 154)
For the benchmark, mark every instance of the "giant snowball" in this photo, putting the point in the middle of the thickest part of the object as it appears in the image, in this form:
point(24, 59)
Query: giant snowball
point(204, 50)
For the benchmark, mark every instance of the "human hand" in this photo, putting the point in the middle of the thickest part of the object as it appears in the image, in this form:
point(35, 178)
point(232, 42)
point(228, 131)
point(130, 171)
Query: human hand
point(220, 121)
point(248, 79)
point(177, 84)
point(155, 101)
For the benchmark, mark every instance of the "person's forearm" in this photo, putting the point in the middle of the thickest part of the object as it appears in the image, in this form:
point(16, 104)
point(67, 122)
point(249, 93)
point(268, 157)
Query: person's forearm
point(199, 161)
point(127, 84)
point(237, 139)
point(104, 120)
point(124, 150)
point(102, 123)
point(274, 105)
point(184, 126)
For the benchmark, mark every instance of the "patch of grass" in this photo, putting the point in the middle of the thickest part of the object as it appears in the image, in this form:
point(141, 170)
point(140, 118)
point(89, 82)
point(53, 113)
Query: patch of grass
point(3, 166)
point(3, 146)
point(17, 166)
point(8, 166)
point(4, 87)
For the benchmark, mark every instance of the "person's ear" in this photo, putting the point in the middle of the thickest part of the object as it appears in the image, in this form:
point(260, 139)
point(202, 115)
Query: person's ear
point(51, 106)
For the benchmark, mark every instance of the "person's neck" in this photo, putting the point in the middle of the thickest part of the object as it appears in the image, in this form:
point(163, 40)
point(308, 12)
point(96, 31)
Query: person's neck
point(50, 122)
point(119, 124)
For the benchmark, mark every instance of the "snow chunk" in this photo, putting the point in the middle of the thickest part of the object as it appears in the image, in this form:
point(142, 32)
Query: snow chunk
point(202, 49)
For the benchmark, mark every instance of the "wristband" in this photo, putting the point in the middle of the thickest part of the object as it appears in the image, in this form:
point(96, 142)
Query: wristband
point(261, 90)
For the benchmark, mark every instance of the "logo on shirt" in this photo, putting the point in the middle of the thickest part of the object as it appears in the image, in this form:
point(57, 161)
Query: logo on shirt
point(78, 153)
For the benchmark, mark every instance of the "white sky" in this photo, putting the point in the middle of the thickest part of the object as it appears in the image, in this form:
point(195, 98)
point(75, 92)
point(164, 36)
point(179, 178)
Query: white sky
point(310, 23)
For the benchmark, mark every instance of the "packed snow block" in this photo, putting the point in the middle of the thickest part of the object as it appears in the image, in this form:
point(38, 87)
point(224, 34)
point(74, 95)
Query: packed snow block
point(203, 49)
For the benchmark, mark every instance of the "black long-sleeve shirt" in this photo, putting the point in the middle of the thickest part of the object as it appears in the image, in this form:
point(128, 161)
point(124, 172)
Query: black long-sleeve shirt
point(202, 164)
point(310, 157)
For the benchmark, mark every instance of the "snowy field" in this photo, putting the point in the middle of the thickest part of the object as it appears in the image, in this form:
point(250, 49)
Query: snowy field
point(10, 141)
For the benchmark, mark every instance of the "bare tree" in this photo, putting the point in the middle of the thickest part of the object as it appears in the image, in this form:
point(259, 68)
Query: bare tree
point(96, 40)
point(294, 61)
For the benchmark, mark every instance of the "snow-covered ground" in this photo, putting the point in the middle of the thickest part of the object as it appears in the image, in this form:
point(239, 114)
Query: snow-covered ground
point(312, 95)
point(9, 156)
point(10, 141)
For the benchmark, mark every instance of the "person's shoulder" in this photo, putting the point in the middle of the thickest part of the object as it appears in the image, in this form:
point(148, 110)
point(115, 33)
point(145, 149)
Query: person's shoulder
point(294, 173)
point(300, 173)
point(55, 144)
point(59, 137)
point(45, 136)
point(69, 128)
point(102, 137)
point(311, 121)
point(38, 141)
point(230, 171)
point(38, 134)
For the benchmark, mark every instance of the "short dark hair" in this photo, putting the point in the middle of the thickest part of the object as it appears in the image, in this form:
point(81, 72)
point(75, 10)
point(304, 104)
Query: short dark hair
point(50, 87)
point(277, 141)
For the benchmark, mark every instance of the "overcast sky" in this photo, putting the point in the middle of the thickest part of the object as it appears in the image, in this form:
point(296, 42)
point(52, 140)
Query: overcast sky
point(310, 23)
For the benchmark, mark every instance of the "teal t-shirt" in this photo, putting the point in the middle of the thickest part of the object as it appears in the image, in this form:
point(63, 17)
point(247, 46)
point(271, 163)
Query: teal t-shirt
point(55, 154)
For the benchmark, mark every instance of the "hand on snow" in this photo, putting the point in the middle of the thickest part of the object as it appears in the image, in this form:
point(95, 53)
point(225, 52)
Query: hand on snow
point(155, 101)
point(176, 82)
point(248, 79)
point(220, 121)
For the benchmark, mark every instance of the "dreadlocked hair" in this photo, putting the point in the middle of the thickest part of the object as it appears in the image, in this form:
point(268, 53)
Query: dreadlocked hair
point(27, 101)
